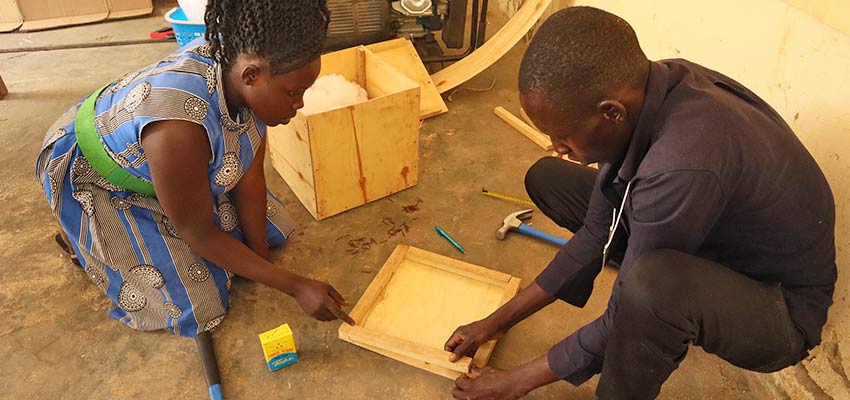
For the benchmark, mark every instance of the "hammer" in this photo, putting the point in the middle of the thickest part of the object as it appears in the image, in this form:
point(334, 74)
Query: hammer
point(514, 222)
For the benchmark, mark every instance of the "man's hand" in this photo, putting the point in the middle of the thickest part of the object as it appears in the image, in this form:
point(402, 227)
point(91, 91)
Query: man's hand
point(320, 301)
point(466, 339)
point(488, 384)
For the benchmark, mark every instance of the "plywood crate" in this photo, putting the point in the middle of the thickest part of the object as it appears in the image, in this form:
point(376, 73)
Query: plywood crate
point(343, 158)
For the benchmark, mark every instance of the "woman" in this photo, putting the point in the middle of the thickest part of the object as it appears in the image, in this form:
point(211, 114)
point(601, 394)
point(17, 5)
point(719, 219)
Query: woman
point(157, 180)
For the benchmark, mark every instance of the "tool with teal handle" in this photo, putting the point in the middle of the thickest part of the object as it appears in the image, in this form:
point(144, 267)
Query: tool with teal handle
point(443, 233)
point(513, 222)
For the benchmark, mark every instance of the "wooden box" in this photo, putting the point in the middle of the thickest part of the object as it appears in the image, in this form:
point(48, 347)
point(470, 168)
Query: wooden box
point(415, 303)
point(342, 158)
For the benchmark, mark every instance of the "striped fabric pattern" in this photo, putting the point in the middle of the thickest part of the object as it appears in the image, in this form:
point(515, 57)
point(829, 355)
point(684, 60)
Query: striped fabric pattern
point(125, 242)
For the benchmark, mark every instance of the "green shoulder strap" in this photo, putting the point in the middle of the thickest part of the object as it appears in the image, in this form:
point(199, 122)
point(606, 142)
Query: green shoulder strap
point(93, 150)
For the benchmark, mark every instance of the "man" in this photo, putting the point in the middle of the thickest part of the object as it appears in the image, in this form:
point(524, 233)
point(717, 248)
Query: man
point(724, 222)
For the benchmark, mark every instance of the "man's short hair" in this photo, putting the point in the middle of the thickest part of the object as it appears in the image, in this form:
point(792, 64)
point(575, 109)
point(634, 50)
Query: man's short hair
point(579, 54)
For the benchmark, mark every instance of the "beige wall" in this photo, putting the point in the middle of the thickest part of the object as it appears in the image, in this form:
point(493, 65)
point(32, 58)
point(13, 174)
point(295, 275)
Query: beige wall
point(801, 66)
point(836, 13)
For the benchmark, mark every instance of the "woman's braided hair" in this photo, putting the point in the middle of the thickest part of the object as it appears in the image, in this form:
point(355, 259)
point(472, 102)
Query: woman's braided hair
point(287, 33)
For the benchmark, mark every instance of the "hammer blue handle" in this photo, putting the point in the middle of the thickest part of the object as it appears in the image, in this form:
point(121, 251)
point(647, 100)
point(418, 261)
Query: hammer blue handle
point(536, 233)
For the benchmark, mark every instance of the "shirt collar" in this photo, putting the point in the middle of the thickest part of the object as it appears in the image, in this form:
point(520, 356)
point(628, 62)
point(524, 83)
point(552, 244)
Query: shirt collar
point(645, 128)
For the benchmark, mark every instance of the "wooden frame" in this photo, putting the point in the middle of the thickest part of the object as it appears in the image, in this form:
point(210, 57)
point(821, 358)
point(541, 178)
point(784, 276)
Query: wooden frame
point(491, 51)
point(403, 313)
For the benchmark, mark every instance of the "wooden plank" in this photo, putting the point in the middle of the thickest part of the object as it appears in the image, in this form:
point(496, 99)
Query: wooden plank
point(383, 79)
point(458, 267)
point(387, 132)
point(341, 62)
point(401, 54)
point(511, 289)
point(376, 288)
point(528, 120)
point(336, 161)
point(445, 372)
point(443, 299)
point(485, 350)
point(491, 51)
point(361, 66)
point(289, 150)
point(527, 131)
point(408, 349)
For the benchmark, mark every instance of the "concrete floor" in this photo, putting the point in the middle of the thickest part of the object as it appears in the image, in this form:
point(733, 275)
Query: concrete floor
point(57, 341)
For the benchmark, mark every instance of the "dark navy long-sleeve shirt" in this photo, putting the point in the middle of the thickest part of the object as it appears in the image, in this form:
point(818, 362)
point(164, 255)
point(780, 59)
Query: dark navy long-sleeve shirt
point(715, 172)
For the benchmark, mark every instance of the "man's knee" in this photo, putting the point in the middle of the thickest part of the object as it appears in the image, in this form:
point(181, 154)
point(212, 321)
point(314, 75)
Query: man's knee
point(657, 281)
point(540, 173)
point(548, 170)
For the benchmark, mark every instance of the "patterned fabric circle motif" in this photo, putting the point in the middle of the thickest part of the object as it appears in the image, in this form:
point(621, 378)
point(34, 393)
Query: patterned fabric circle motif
point(81, 166)
point(86, 200)
point(119, 203)
point(136, 197)
point(131, 299)
point(204, 50)
point(227, 216)
point(199, 272)
point(271, 208)
point(230, 172)
point(230, 126)
point(136, 96)
point(195, 108)
point(166, 223)
point(104, 184)
point(172, 310)
point(210, 77)
point(94, 275)
point(126, 80)
point(213, 323)
point(149, 275)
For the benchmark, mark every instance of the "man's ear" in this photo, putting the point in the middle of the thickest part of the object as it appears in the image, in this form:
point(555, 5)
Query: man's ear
point(613, 110)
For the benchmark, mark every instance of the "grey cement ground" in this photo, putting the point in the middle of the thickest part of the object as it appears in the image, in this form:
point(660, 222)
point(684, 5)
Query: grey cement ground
point(58, 343)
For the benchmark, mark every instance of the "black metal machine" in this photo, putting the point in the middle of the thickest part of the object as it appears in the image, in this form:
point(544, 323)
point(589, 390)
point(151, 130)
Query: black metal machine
point(355, 22)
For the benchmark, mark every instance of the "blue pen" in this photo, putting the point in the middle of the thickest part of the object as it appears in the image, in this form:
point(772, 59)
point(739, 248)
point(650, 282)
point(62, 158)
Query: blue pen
point(449, 238)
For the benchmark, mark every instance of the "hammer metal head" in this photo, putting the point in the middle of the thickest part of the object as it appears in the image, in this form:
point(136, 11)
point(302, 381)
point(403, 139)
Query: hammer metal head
point(512, 222)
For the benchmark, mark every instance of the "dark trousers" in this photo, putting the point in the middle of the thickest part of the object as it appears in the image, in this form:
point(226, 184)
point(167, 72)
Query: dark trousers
point(669, 300)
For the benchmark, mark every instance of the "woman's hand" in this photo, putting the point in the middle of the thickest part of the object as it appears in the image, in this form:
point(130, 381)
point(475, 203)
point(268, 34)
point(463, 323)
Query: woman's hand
point(320, 300)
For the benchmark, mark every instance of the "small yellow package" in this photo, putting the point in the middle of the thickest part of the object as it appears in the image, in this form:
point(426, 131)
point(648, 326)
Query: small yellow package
point(279, 347)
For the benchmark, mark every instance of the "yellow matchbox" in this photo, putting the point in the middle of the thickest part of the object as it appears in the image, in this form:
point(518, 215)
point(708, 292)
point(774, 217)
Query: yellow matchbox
point(279, 347)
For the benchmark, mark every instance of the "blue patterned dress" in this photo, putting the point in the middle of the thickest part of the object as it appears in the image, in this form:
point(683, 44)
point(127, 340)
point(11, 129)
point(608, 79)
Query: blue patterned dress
point(124, 240)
